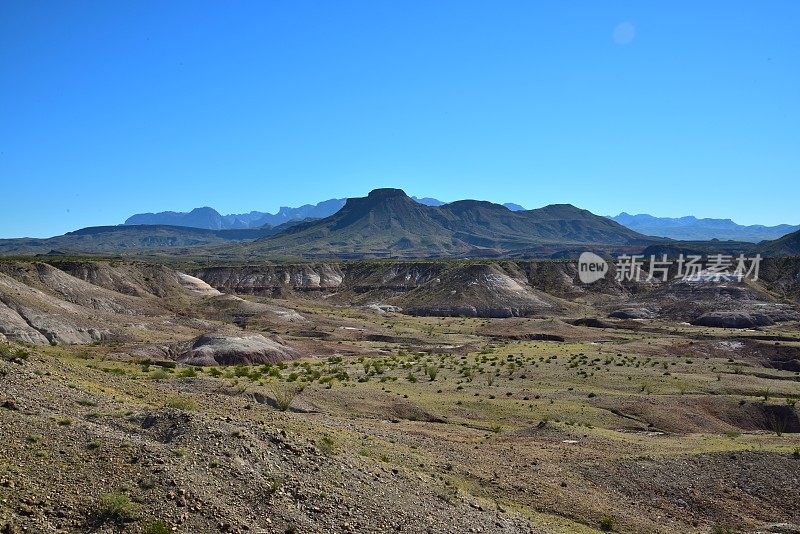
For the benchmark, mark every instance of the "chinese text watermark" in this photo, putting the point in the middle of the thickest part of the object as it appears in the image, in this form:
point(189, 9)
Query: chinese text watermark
point(686, 267)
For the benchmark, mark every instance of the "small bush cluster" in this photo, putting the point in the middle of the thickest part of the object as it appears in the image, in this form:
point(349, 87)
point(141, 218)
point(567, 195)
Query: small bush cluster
point(284, 394)
point(115, 507)
point(11, 354)
point(181, 403)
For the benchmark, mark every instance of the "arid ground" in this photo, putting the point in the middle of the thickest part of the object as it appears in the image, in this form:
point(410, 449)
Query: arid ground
point(136, 399)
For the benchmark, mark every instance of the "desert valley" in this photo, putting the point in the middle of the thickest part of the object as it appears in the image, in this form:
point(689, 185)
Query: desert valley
point(375, 267)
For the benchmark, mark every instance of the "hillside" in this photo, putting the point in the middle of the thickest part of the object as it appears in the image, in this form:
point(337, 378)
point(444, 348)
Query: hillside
point(389, 223)
point(124, 239)
point(788, 245)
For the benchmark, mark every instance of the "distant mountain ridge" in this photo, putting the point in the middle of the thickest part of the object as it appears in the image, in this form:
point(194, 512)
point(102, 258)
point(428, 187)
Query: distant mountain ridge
point(694, 229)
point(211, 219)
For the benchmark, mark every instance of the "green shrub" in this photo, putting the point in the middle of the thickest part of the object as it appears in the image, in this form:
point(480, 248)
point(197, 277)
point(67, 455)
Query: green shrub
point(156, 527)
point(779, 424)
point(284, 395)
point(181, 403)
point(432, 371)
point(159, 374)
point(326, 445)
point(13, 354)
point(189, 372)
point(606, 523)
point(115, 507)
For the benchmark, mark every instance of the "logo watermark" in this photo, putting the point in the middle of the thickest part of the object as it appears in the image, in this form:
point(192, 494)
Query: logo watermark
point(686, 267)
point(591, 267)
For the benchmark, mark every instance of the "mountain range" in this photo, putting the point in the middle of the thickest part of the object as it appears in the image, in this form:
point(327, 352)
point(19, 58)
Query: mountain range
point(388, 223)
point(211, 219)
point(692, 228)
point(687, 228)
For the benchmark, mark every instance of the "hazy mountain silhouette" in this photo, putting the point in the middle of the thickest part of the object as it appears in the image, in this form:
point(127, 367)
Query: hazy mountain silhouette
point(692, 228)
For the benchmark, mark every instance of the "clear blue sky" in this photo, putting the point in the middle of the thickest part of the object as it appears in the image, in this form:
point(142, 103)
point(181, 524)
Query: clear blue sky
point(669, 108)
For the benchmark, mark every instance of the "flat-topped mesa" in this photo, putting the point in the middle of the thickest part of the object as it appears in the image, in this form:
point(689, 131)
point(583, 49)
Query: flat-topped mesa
point(386, 192)
point(377, 197)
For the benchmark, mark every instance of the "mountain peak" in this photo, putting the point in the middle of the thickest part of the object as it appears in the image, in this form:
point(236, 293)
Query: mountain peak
point(386, 192)
point(205, 210)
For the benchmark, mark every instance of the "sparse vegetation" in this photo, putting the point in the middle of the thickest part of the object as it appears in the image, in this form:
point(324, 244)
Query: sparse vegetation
point(399, 416)
point(13, 354)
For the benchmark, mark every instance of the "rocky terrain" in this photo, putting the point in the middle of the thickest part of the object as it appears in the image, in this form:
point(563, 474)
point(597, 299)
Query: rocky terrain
point(421, 396)
point(519, 288)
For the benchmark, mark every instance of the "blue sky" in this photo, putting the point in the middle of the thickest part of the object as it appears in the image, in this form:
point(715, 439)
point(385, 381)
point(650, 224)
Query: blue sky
point(668, 108)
